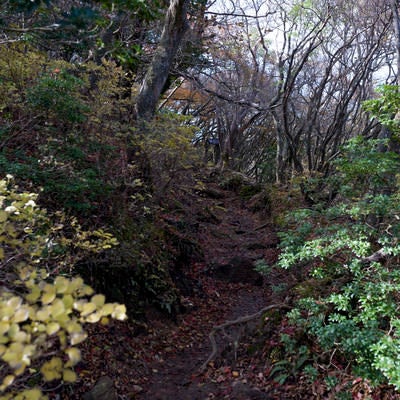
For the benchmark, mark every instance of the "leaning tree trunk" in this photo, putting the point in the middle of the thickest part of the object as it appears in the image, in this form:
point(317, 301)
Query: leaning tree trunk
point(175, 26)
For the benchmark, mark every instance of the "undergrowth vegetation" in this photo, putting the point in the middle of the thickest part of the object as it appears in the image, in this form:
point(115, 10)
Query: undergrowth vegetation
point(85, 185)
point(348, 250)
point(43, 306)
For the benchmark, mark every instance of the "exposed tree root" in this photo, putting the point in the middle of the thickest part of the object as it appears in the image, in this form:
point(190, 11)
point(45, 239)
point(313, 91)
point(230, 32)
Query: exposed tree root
point(240, 322)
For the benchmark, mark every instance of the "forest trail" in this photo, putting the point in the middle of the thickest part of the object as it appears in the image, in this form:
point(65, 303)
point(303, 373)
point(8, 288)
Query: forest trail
point(164, 363)
point(232, 238)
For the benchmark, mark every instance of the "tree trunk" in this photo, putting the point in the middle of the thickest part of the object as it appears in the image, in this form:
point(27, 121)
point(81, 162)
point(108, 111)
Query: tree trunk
point(396, 28)
point(175, 26)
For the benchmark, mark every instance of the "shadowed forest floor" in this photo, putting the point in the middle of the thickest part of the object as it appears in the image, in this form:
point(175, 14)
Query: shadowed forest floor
point(163, 362)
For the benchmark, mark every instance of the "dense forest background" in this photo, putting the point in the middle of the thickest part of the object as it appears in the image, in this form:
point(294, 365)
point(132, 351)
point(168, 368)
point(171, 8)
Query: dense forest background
point(111, 112)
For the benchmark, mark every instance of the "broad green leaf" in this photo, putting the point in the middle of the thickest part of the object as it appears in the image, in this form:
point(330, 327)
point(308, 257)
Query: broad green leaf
point(14, 329)
point(50, 374)
point(52, 369)
point(13, 355)
point(108, 309)
point(87, 290)
point(48, 297)
point(33, 394)
point(34, 295)
point(4, 327)
point(75, 284)
point(57, 309)
point(20, 336)
point(7, 381)
point(49, 294)
point(74, 327)
point(14, 302)
point(68, 301)
point(43, 314)
point(20, 369)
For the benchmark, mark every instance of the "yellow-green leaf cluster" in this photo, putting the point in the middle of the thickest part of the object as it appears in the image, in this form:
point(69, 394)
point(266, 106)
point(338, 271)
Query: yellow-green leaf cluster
point(42, 312)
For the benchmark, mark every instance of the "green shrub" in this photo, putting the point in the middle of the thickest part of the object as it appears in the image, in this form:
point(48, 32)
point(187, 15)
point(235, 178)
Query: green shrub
point(55, 96)
point(53, 139)
point(353, 245)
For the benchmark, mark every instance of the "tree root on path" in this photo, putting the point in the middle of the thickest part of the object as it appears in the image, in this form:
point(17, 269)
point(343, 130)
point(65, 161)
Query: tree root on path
point(239, 321)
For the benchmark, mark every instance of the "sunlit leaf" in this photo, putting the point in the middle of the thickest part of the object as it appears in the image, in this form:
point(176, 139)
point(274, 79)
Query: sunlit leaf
point(43, 314)
point(74, 355)
point(52, 369)
point(77, 338)
point(3, 216)
point(8, 380)
point(33, 394)
point(87, 309)
point(49, 294)
point(98, 300)
point(119, 312)
point(4, 327)
point(61, 283)
point(57, 309)
point(93, 318)
point(20, 336)
point(21, 315)
point(34, 295)
point(107, 309)
point(52, 328)
point(68, 301)
point(69, 375)
point(15, 302)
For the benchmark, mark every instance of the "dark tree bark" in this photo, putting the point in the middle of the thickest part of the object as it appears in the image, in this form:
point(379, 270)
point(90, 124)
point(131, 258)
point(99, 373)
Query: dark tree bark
point(175, 26)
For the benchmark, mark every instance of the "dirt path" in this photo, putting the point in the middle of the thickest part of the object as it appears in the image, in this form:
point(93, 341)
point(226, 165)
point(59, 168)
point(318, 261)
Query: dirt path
point(232, 239)
point(163, 363)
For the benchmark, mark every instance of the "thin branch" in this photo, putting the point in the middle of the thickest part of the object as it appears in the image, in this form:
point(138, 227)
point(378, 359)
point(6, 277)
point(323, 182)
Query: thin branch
point(227, 14)
point(49, 28)
point(10, 41)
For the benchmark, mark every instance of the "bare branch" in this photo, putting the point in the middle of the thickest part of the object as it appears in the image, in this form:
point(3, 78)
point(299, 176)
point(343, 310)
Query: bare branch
point(49, 28)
